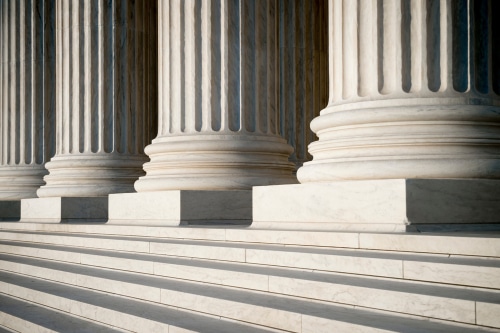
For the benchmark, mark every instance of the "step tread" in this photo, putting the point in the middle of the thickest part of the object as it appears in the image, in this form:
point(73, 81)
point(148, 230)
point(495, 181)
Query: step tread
point(342, 252)
point(152, 312)
point(48, 318)
point(478, 244)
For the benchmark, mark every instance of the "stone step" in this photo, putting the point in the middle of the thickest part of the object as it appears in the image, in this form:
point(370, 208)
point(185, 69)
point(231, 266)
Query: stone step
point(470, 271)
point(485, 245)
point(292, 314)
point(21, 316)
point(431, 301)
point(121, 312)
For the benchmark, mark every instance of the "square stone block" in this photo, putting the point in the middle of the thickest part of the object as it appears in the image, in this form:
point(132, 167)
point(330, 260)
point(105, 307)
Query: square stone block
point(10, 210)
point(379, 205)
point(178, 207)
point(64, 209)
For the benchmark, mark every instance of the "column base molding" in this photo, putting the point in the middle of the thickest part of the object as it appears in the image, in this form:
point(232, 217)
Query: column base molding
point(181, 207)
point(10, 210)
point(388, 205)
point(64, 209)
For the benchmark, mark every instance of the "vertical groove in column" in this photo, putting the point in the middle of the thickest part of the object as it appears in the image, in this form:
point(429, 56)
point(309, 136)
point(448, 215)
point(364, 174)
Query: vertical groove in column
point(460, 45)
point(302, 90)
point(26, 95)
point(411, 39)
point(495, 47)
point(219, 95)
point(433, 45)
point(481, 45)
point(106, 96)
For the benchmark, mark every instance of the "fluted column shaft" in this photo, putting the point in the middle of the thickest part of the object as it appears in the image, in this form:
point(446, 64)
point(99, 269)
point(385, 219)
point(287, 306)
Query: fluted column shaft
point(105, 96)
point(27, 103)
point(303, 59)
point(414, 92)
point(218, 106)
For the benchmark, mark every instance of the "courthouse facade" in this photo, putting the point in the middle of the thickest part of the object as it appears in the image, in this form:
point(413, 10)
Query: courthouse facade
point(221, 96)
point(308, 166)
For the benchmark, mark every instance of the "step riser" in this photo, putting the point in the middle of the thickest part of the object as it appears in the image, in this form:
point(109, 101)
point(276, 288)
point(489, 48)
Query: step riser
point(21, 325)
point(407, 303)
point(469, 246)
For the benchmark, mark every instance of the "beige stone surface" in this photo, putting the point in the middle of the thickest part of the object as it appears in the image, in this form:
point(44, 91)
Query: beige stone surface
point(218, 105)
point(69, 209)
point(377, 205)
point(175, 207)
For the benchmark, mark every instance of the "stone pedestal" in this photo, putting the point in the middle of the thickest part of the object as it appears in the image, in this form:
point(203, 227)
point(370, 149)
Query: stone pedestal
point(27, 99)
point(413, 97)
point(57, 210)
point(393, 205)
point(178, 207)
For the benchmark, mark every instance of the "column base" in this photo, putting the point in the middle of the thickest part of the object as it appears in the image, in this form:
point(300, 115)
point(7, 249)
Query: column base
point(10, 210)
point(391, 205)
point(181, 207)
point(64, 209)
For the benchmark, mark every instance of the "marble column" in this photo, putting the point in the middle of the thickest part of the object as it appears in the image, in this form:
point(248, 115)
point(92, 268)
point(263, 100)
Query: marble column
point(27, 103)
point(414, 92)
point(303, 59)
point(410, 137)
point(218, 106)
point(106, 96)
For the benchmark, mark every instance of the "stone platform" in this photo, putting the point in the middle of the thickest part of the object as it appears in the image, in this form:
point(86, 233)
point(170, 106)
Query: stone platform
point(196, 279)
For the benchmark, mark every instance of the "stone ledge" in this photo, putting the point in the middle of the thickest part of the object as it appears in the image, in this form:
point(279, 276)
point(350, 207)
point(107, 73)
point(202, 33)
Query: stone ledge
point(176, 207)
point(378, 205)
point(64, 209)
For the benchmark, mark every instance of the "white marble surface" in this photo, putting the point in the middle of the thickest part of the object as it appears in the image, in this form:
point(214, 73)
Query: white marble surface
point(480, 276)
point(218, 105)
point(377, 204)
point(203, 251)
point(404, 102)
point(58, 209)
point(215, 276)
point(27, 95)
point(397, 301)
point(106, 96)
point(176, 207)
point(265, 316)
point(324, 262)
